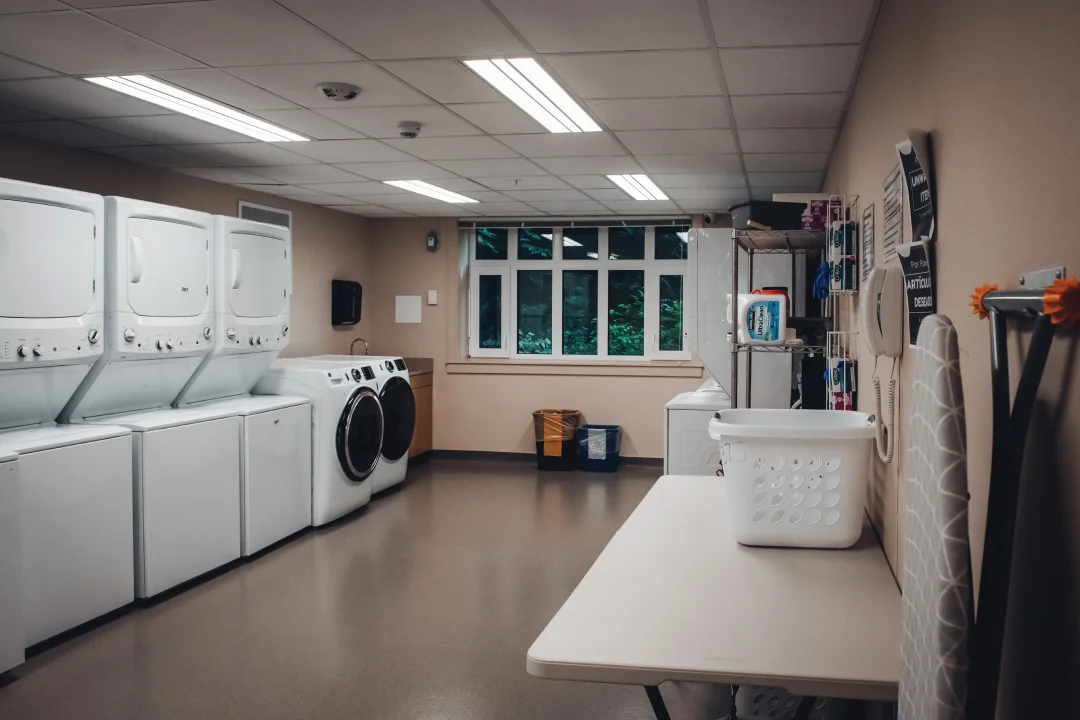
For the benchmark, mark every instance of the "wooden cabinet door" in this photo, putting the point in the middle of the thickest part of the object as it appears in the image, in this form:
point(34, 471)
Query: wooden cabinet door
point(422, 436)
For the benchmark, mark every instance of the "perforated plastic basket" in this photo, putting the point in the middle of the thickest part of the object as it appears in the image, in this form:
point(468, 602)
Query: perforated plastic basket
point(795, 478)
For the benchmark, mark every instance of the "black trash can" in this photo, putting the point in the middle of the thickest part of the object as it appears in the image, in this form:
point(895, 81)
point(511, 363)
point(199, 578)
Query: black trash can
point(599, 447)
point(556, 439)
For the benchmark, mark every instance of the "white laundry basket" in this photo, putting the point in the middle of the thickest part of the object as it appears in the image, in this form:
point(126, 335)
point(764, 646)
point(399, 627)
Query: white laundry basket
point(795, 478)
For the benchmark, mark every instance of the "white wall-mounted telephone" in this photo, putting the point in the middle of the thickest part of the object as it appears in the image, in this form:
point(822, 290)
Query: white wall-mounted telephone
point(881, 317)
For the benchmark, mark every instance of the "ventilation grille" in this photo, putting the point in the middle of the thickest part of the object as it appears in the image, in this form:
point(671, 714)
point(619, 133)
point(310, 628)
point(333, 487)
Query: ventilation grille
point(400, 364)
point(264, 214)
point(369, 374)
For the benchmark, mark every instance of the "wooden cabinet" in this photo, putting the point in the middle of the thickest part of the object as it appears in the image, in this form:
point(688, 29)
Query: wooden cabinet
point(422, 436)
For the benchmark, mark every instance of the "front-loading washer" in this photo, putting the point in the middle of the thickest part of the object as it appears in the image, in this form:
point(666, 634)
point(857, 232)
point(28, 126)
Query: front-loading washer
point(399, 413)
point(346, 430)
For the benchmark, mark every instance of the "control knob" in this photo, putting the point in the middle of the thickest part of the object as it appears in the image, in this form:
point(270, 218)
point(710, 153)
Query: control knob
point(160, 344)
point(129, 335)
point(93, 335)
point(168, 344)
point(23, 351)
point(356, 375)
point(206, 333)
point(251, 341)
point(285, 330)
point(37, 351)
point(230, 333)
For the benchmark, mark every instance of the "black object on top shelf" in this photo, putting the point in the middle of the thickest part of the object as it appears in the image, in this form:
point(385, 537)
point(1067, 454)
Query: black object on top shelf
point(767, 214)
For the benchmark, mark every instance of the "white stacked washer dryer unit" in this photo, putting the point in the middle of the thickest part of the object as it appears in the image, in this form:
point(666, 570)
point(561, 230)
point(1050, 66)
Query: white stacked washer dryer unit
point(253, 273)
point(75, 483)
point(346, 429)
point(399, 413)
point(12, 632)
point(158, 329)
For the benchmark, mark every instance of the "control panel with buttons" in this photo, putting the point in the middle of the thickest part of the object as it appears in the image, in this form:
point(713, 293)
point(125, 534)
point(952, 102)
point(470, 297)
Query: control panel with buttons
point(49, 346)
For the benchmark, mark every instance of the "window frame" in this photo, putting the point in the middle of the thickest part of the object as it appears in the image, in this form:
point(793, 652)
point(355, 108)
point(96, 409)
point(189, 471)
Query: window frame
point(508, 269)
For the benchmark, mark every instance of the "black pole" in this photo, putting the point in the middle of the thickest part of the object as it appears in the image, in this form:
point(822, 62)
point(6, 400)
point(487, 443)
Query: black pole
point(657, 701)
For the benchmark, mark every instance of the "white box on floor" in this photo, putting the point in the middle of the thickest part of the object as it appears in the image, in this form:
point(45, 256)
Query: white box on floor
point(688, 449)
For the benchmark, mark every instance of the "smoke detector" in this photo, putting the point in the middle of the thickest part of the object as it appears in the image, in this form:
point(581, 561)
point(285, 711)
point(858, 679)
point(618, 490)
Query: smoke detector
point(408, 129)
point(341, 92)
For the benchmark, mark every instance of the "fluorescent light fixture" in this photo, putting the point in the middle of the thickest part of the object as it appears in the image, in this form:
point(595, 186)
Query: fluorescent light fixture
point(639, 187)
point(173, 98)
point(423, 188)
point(528, 86)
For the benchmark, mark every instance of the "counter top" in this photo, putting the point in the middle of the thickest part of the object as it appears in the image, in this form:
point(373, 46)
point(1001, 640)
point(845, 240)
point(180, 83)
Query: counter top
point(420, 366)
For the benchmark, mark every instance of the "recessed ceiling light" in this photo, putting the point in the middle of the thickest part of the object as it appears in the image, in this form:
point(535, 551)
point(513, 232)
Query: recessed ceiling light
point(173, 98)
point(639, 187)
point(528, 86)
point(423, 188)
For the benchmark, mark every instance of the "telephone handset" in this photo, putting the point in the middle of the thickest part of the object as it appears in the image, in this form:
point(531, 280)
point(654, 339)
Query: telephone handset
point(881, 317)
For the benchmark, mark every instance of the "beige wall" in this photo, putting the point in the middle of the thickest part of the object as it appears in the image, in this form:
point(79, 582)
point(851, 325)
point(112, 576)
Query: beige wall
point(326, 244)
point(997, 86)
point(492, 412)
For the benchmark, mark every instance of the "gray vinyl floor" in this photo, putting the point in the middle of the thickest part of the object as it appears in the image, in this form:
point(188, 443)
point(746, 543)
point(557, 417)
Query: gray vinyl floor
point(421, 606)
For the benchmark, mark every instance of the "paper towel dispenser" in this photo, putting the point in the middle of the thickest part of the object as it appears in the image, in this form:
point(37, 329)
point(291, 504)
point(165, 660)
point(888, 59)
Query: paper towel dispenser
point(346, 298)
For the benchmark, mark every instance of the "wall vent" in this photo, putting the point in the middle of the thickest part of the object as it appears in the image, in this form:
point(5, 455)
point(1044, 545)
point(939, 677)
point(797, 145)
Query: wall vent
point(264, 214)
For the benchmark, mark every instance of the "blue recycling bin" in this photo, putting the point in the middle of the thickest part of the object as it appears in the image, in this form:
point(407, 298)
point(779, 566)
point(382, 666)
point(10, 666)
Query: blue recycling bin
point(599, 447)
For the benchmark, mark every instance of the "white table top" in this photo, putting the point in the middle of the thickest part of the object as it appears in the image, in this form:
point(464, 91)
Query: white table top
point(674, 597)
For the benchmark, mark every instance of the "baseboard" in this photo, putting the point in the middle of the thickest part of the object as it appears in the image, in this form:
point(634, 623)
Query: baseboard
point(487, 456)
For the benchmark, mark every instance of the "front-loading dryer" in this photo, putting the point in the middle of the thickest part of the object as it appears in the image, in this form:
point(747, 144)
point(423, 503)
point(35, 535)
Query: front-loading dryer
point(346, 430)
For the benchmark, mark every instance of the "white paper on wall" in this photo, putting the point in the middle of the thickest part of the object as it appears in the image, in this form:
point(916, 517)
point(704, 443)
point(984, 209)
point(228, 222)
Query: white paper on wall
point(407, 309)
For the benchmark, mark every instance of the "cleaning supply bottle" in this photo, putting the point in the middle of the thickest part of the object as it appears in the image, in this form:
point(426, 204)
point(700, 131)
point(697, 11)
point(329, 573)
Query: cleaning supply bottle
point(762, 318)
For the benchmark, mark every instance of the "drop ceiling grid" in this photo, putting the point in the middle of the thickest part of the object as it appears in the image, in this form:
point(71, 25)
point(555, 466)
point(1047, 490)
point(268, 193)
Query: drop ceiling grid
point(769, 113)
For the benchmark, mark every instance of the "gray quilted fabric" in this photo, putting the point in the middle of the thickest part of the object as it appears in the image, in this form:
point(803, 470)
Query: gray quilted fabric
point(937, 580)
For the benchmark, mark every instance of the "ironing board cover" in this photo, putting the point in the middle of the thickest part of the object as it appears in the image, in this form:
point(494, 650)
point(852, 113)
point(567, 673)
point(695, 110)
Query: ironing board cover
point(937, 566)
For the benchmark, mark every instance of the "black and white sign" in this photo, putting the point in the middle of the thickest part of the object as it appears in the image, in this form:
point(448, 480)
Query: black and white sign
point(892, 211)
point(918, 284)
point(867, 242)
point(913, 157)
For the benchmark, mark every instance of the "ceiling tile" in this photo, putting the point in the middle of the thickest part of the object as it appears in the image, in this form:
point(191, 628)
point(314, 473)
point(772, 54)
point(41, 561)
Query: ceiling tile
point(504, 208)
point(25, 6)
point(292, 191)
point(702, 162)
point(446, 81)
point(230, 32)
point(423, 29)
point(157, 155)
point(720, 196)
point(768, 71)
point(603, 194)
point(305, 174)
point(642, 207)
point(79, 44)
point(223, 87)
point(324, 200)
point(355, 209)
point(488, 196)
point(662, 113)
point(297, 83)
point(169, 129)
point(461, 185)
point(458, 148)
point(809, 180)
point(589, 165)
point(498, 118)
point(360, 188)
point(545, 195)
point(13, 113)
point(571, 207)
point(233, 176)
point(675, 142)
point(742, 23)
point(767, 194)
point(71, 98)
point(408, 170)
point(638, 75)
point(788, 111)
point(700, 180)
point(766, 162)
point(382, 122)
point(510, 167)
point(377, 211)
point(309, 124)
point(540, 182)
point(348, 151)
point(557, 26)
point(786, 141)
point(563, 144)
point(68, 132)
point(431, 209)
point(589, 182)
point(247, 154)
point(12, 69)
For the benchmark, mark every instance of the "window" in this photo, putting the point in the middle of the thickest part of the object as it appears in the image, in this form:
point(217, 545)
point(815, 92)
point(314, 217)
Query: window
point(582, 293)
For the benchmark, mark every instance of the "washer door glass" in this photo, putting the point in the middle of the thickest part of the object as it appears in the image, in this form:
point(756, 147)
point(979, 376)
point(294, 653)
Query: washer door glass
point(360, 434)
point(399, 411)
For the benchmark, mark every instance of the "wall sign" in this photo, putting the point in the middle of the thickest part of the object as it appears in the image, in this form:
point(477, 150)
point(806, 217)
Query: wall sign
point(892, 210)
point(914, 157)
point(918, 284)
point(867, 242)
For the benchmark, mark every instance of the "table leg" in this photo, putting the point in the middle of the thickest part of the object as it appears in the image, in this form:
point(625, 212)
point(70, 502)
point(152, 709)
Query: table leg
point(806, 705)
point(657, 701)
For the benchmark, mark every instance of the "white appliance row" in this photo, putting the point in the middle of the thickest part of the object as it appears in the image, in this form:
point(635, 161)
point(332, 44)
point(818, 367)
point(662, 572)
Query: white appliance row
point(111, 311)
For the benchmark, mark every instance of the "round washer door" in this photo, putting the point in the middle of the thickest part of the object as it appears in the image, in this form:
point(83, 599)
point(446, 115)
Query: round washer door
point(360, 434)
point(399, 413)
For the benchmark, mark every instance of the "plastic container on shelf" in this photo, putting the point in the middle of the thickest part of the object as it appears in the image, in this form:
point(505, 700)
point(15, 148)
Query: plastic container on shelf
point(761, 214)
point(556, 439)
point(762, 318)
point(795, 478)
point(600, 447)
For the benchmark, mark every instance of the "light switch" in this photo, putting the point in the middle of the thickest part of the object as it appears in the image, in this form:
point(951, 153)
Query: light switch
point(432, 297)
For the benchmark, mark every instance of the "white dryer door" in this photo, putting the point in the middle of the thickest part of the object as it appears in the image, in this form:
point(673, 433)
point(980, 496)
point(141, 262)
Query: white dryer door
point(258, 275)
point(47, 260)
point(168, 268)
